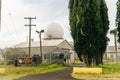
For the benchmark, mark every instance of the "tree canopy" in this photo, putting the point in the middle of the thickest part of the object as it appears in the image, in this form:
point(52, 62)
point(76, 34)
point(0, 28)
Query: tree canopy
point(89, 26)
point(118, 19)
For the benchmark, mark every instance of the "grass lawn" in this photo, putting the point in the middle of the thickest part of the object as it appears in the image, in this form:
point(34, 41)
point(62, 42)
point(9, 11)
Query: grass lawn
point(111, 71)
point(15, 72)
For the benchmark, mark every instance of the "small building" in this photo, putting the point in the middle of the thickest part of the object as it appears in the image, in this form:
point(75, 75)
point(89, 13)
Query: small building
point(54, 47)
point(1, 57)
point(112, 55)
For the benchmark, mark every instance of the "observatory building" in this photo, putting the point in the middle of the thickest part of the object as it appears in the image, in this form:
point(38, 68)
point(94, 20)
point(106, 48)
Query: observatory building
point(54, 46)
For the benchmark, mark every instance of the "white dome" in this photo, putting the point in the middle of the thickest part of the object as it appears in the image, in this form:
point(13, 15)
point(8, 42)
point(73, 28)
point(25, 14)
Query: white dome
point(53, 31)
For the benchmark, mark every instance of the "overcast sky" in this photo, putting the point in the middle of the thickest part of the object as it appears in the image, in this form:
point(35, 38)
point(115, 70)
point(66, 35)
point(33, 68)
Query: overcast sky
point(13, 30)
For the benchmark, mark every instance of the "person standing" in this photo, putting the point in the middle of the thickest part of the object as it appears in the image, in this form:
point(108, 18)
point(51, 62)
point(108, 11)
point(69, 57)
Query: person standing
point(64, 61)
point(16, 62)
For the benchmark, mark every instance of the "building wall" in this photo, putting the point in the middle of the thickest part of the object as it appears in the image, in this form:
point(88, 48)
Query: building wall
point(36, 50)
point(65, 45)
point(48, 51)
point(1, 57)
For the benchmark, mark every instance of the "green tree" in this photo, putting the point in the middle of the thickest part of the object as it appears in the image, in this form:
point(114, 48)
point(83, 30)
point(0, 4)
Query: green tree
point(114, 32)
point(118, 19)
point(87, 29)
point(105, 27)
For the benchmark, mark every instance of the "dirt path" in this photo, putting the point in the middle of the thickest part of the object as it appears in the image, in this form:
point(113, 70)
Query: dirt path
point(64, 74)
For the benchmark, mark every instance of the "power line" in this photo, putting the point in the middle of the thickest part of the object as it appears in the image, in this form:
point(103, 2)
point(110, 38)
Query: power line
point(30, 19)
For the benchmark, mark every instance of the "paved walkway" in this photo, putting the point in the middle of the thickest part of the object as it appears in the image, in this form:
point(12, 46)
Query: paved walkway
point(64, 74)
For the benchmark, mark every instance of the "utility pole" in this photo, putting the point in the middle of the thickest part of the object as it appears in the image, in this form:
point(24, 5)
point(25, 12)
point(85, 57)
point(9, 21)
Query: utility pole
point(30, 19)
point(39, 32)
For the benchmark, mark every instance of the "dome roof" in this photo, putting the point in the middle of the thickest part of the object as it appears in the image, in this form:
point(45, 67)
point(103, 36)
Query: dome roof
point(53, 31)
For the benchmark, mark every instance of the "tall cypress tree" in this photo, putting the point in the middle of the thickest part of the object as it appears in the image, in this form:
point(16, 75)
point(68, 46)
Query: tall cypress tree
point(84, 24)
point(118, 19)
point(105, 27)
point(87, 29)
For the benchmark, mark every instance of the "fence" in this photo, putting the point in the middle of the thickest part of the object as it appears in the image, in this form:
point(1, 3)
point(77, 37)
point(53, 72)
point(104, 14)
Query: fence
point(112, 57)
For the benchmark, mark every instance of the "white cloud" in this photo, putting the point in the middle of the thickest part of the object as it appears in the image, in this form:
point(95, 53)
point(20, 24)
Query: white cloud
point(46, 11)
point(13, 29)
